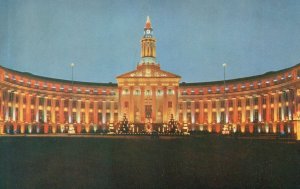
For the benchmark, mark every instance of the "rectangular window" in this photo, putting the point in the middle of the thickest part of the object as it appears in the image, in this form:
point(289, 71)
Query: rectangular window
point(214, 117)
point(159, 93)
point(197, 105)
point(272, 114)
point(285, 96)
point(41, 101)
point(279, 98)
point(32, 100)
point(247, 102)
point(248, 115)
point(196, 116)
point(57, 103)
point(222, 104)
point(137, 92)
point(255, 101)
point(170, 104)
point(239, 103)
point(100, 105)
point(11, 97)
point(214, 104)
point(188, 104)
point(255, 116)
point(73, 117)
point(126, 104)
point(230, 103)
point(205, 117)
point(230, 116)
point(286, 113)
point(180, 117)
point(189, 117)
point(264, 115)
point(272, 99)
point(66, 103)
point(279, 114)
point(264, 100)
point(222, 117)
point(74, 104)
point(91, 116)
point(107, 105)
point(148, 92)
point(48, 102)
point(239, 116)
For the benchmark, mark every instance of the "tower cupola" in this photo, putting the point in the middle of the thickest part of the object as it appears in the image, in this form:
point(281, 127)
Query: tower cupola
point(148, 45)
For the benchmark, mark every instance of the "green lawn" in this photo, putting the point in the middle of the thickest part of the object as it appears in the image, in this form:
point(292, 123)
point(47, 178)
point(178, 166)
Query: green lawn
point(141, 162)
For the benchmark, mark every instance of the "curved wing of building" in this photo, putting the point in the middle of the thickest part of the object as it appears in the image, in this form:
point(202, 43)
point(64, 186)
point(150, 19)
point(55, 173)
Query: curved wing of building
point(267, 103)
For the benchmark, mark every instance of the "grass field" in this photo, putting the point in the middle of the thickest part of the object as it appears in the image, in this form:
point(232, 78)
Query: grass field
point(141, 162)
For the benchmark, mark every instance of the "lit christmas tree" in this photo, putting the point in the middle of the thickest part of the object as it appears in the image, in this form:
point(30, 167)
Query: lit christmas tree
point(124, 125)
point(173, 125)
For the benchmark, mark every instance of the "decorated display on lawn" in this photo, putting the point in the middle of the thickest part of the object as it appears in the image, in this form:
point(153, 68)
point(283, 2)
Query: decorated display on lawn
point(124, 125)
point(173, 125)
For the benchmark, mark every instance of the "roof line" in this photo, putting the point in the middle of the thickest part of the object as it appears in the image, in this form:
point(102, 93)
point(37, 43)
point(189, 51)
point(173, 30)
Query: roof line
point(270, 73)
point(58, 80)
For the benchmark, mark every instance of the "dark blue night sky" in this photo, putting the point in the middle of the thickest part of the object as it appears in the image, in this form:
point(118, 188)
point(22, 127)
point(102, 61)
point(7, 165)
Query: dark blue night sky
point(194, 37)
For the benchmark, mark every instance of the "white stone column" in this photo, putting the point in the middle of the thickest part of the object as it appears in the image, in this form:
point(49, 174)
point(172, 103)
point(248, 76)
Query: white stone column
point(218, 110)
point(87, 111)
point(193, 111)
point(112, 109)
point(21, 116)
point(276, 107)
point(45, 109)
point(78, 111)
point(103, 112)
point(14, 106)
point(251, 109)
point(184, 111)
point(243, 101)
point(37, 108)
point(52, 111)
point(209, 107)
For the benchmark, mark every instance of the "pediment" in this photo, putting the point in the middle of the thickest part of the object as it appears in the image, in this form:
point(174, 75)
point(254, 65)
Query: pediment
point(148, 72)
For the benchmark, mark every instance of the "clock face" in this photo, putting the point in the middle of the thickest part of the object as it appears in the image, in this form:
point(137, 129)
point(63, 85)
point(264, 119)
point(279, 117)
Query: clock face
point(148, 31)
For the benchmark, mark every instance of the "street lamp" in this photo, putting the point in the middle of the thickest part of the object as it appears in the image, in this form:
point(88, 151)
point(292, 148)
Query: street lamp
point(72, 67)
point(224, 66)
point(71, 129)
point(224, 80)
point(225, 127)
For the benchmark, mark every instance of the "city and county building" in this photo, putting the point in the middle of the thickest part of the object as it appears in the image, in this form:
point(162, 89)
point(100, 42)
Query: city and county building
point(148, 95)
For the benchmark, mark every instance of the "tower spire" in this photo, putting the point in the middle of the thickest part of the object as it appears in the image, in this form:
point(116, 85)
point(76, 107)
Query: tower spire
point(148, 23)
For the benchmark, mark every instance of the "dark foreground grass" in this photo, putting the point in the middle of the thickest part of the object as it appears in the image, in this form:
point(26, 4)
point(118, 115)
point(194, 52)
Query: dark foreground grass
point(141, 162)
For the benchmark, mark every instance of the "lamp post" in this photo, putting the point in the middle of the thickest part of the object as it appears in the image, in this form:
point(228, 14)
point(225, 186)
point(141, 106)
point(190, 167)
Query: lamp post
point(224, 80)
point(71, 129)
point(225, 129)
point(72, 67)
point(224, 66)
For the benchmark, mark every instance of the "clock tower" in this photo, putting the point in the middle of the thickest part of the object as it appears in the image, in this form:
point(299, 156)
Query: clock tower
point(148, 44)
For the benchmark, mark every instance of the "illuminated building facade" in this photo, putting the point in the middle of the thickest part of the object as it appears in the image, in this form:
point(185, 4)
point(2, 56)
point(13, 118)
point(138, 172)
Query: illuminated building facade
point(267, 103)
